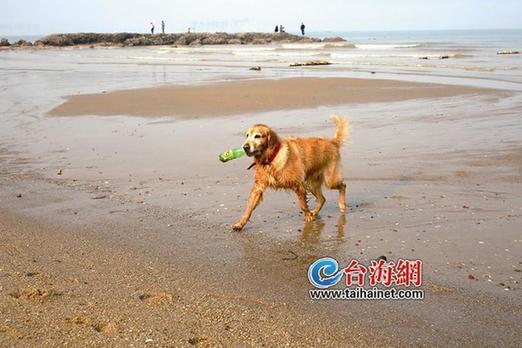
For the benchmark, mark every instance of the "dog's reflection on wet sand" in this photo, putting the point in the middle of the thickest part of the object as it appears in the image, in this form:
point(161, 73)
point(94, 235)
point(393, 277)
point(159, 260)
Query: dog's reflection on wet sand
point(311, 232)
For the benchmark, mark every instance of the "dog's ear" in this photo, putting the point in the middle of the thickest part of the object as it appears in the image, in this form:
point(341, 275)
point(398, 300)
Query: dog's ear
point(272, 138)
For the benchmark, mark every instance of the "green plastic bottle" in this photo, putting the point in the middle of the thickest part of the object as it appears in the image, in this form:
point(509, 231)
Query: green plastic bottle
point(231, 154)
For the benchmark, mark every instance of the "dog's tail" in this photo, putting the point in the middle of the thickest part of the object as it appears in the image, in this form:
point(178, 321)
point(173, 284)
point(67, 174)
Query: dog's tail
point(342, 132)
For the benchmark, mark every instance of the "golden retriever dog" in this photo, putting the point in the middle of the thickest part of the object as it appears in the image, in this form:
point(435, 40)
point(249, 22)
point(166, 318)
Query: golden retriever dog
point(298, 164)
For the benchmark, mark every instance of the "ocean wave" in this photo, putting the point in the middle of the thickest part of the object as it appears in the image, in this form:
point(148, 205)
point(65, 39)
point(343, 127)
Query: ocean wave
point(359, 56)
point(198, 50)
point(279, 53)
point(340, 44)
point(385, 46)
point(256, 49)
point(304, 46)
point(164, 59)
point(149, 58)
point(418, 55)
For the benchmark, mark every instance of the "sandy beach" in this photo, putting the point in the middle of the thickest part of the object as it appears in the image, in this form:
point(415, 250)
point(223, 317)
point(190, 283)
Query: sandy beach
point(116, 230)
point(233, 98)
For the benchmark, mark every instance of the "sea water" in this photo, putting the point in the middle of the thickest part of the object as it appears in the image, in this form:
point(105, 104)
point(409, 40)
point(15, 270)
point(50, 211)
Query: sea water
point(466, 57)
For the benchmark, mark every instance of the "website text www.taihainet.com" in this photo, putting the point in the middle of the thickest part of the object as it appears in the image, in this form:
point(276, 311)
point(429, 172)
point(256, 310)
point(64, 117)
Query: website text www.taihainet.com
point(360, 293)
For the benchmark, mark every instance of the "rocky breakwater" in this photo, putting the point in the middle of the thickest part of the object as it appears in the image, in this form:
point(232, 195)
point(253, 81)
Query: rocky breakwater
point(182, 39)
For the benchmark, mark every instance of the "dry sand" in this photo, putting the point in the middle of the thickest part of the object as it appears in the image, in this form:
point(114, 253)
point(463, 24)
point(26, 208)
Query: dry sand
point(64, 287)
point(251, 96)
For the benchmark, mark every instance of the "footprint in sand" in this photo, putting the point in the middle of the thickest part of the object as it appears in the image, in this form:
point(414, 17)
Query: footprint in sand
point(105, 327)
point(11, 332)
point(35, 295)
point(157, 298)
point(79, 320)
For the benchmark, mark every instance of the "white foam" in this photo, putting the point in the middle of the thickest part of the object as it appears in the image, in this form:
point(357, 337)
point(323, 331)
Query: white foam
point(278, 53)
point(164, 59)
point(385, 46)
point(304, 46)
point(358, 55)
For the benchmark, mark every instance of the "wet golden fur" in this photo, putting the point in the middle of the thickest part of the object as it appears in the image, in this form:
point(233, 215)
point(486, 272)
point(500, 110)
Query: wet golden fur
point(301, 165)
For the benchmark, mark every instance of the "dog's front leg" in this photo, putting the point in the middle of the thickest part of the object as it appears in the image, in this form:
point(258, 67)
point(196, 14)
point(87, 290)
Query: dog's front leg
point(256, 195)
point(301, 196)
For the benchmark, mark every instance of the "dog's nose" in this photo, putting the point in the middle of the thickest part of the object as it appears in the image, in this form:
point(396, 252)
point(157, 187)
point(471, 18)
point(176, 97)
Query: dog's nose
point(246, 147)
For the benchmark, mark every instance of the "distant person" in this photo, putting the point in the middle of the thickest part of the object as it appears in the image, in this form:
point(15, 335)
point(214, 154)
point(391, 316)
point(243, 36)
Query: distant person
point(281, 28)
point(276, 29)
point(302, 28)
point(151, 28)
point(163, 27)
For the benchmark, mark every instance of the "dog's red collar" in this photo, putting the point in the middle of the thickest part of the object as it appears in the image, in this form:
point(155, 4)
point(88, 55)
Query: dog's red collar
point(273, 154)
point(271, 158)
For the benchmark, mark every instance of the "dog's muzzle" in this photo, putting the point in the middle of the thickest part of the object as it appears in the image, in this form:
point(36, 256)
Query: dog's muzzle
point(248, 150)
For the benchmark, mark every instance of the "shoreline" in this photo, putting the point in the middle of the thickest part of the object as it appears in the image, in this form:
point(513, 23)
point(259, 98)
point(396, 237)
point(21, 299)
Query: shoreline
point(252, 96)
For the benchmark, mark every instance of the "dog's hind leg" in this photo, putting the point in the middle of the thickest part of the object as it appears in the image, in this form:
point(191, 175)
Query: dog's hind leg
point(319, 198)
point(255, 197)
point(301, 196)
point(334, 181)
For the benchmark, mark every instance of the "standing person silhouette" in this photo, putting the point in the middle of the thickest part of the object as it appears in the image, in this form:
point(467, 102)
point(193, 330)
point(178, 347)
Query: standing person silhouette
point(302, 28)
point(151, 28)
point(162, 27)
point(276, 29)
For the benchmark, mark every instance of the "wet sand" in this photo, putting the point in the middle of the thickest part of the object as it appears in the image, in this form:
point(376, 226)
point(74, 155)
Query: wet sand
point(109, 271)
point(236, 97)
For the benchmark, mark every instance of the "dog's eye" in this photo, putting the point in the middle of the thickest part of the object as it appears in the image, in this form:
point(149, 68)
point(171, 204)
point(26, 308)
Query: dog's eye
point(257, 136)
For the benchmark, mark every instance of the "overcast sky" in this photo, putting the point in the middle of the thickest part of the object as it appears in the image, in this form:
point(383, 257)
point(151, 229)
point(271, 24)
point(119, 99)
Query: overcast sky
point(50, 16)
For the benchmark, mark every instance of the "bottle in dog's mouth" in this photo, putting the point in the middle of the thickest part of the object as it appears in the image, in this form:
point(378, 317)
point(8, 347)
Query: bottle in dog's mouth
point(249, 152)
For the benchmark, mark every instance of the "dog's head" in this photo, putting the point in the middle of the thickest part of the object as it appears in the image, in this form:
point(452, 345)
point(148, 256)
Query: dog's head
point(259, 138)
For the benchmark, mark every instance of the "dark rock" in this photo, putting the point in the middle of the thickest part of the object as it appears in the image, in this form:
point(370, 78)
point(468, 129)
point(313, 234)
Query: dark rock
point(508, 52)
point(196, 42)
point(306, 40)
point(333, 39)
point(311, 63)
point(259, 42)
point(135, 39)
point(217, 39)
point(23, 43)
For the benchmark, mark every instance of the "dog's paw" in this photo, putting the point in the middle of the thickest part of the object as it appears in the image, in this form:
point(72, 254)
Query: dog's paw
point(342, 208)
point(237, 227)
point(309, 217)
